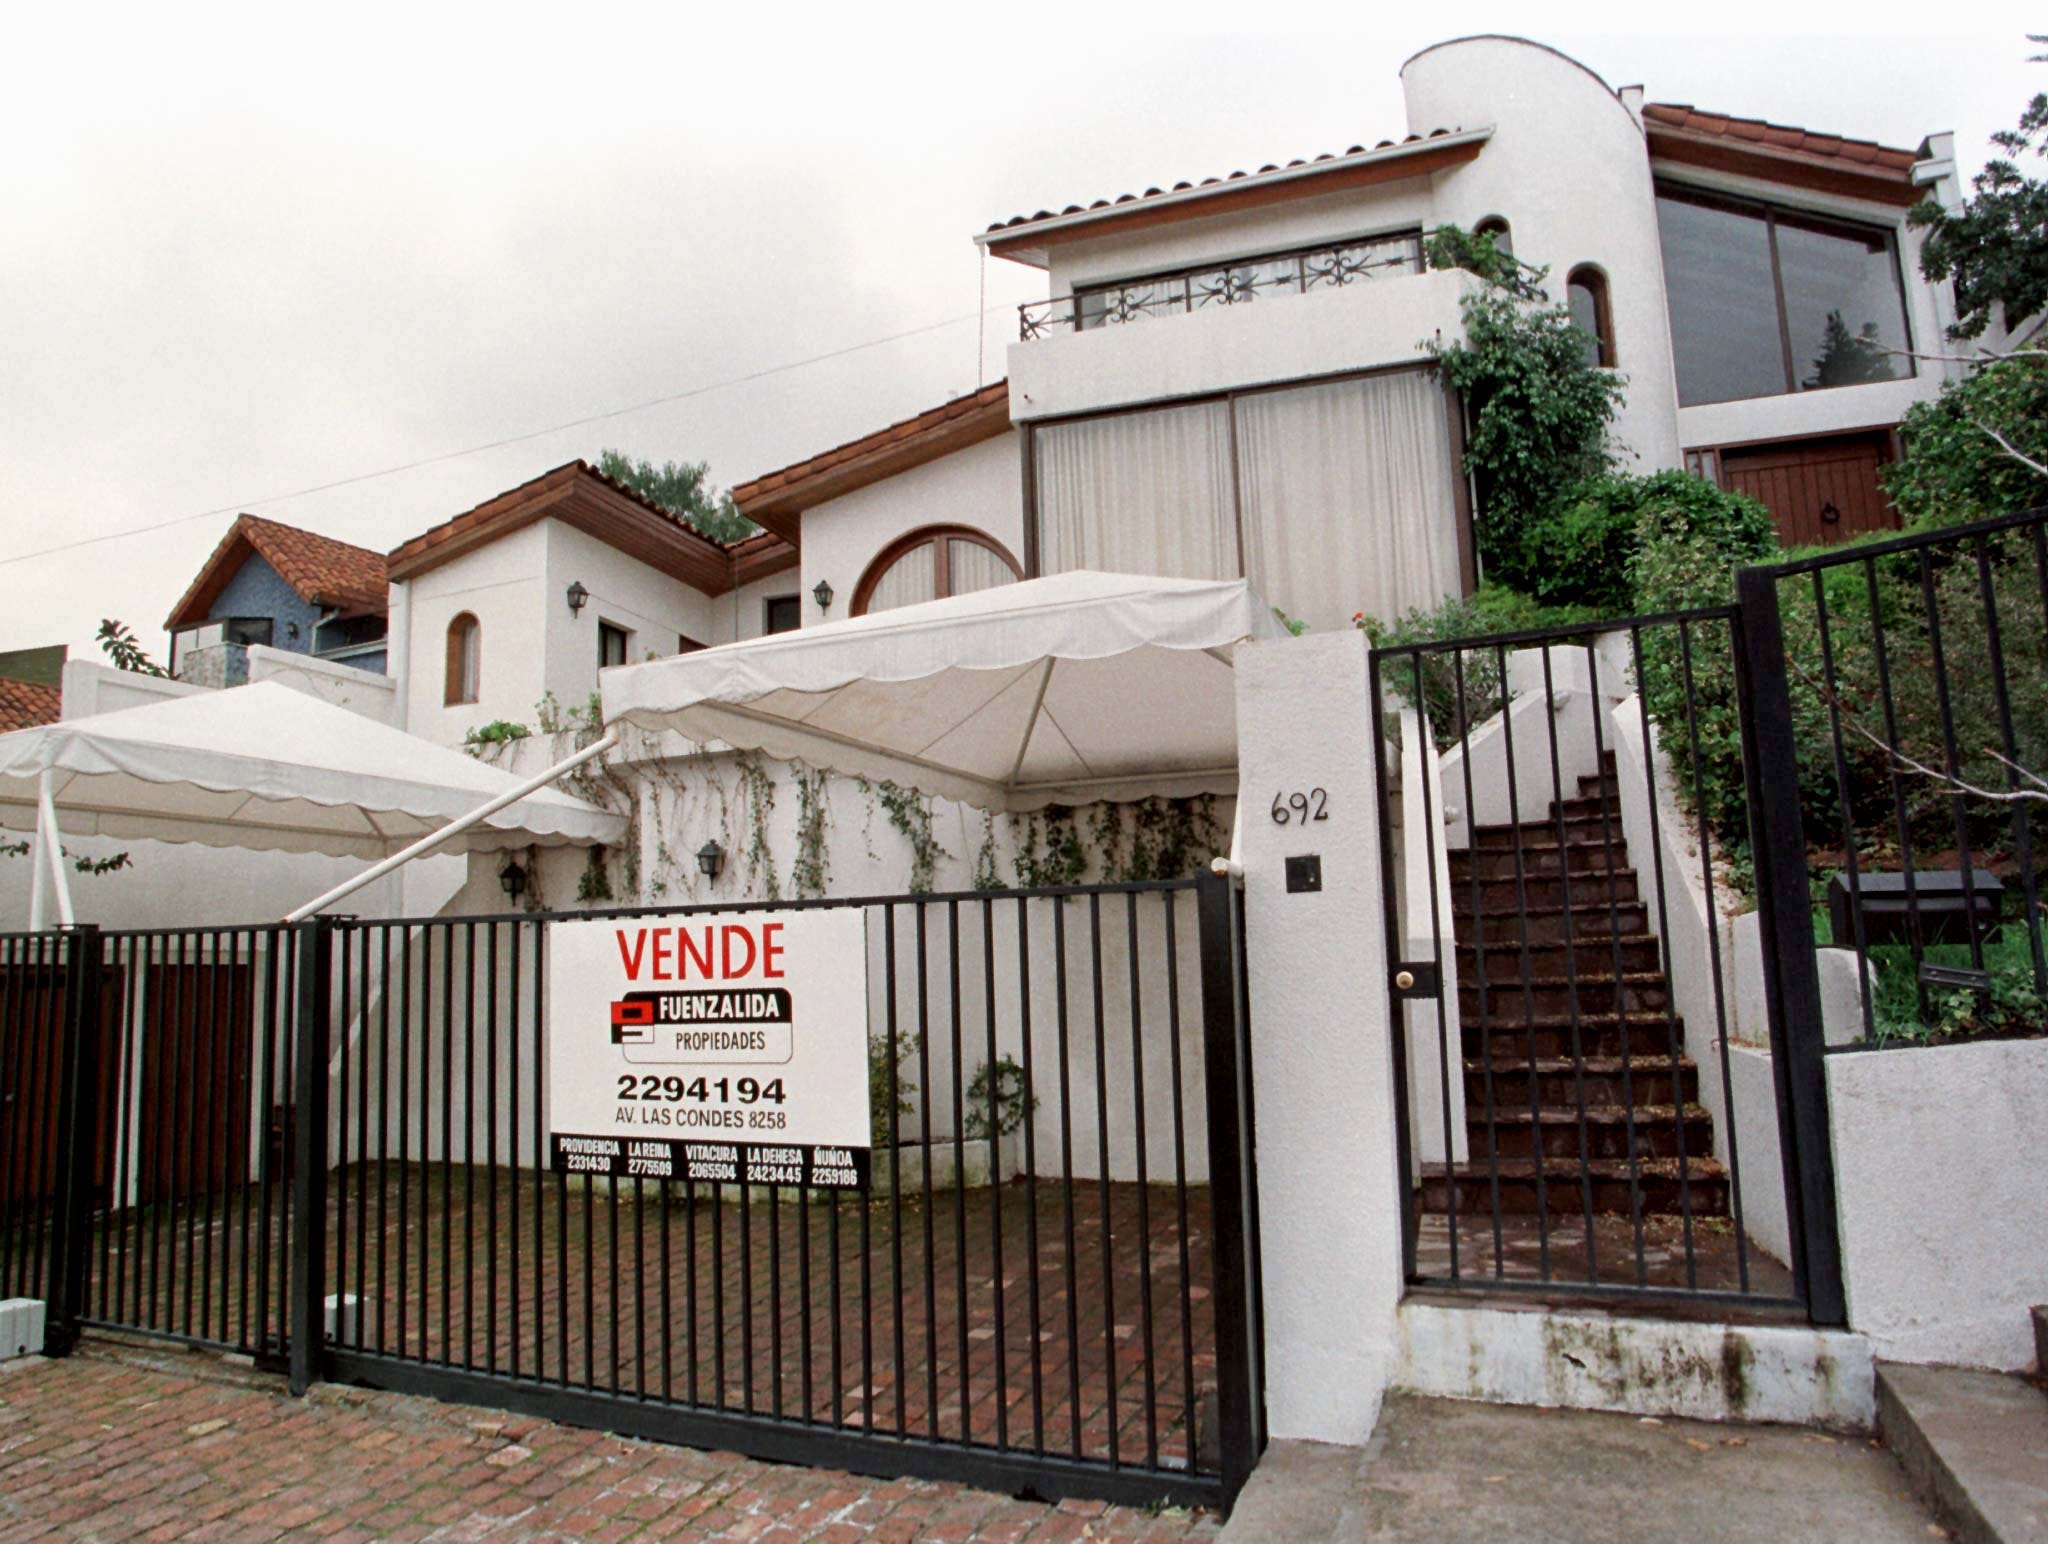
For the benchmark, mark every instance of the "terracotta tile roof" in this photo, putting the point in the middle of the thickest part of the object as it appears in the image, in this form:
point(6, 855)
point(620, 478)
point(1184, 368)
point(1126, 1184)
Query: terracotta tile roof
point(581, 495)
point(1272, 171)
point(775, 498)
point(1680, 115)
point(23, 704)
point(321, 570)
point(1835, 162)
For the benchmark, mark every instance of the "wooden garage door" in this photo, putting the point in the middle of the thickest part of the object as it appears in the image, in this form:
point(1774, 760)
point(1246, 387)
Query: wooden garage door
point(1822, 490)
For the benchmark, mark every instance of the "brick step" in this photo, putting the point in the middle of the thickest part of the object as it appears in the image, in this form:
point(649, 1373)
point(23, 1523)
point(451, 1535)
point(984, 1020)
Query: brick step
point(1501, 894)
point(1598, 1034)
point(1540, 863)
point(1606, 1132)
point(1558, 1080)
point(1553, 924)
point(1703, 1191)
point(1638, 953)
point(1590, 806)
point(1550, 997)
point(1537, 835)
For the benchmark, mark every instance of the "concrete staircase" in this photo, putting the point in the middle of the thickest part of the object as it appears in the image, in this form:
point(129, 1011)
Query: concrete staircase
point(1975, 1443)
point(1569, 1039)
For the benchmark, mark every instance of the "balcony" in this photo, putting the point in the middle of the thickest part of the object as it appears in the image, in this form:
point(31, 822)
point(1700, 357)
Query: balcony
point(1222, 284)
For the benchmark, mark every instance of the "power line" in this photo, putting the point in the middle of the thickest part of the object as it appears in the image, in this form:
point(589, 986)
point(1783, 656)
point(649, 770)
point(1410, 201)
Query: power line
point(512, 439)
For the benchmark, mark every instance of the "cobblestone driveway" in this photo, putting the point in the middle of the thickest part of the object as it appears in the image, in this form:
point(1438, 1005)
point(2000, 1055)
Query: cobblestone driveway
point(121, 1443)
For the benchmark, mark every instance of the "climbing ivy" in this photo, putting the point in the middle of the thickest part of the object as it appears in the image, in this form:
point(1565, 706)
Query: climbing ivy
point(810, 869)
point(911, 814)
point(986, 876)
point(758, 790)
point(1047, 848)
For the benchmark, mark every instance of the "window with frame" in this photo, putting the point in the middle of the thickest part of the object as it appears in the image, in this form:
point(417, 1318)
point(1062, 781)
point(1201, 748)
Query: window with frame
point(931, 564)
point(464, 678)
point(613, 644)
point(1586, 296)
point(782, 614)
point(1767, 300)
point(1333, 496)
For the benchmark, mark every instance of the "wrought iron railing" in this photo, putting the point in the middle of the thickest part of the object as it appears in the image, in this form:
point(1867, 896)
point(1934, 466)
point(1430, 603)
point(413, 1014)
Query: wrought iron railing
point(1223, 284)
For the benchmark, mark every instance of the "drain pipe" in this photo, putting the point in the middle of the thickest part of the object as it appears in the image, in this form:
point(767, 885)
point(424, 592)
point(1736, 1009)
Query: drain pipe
point(433, 839)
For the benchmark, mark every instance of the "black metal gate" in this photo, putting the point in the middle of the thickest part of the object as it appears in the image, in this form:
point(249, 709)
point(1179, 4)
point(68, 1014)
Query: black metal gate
point(1569, 815)
point(327, 1146)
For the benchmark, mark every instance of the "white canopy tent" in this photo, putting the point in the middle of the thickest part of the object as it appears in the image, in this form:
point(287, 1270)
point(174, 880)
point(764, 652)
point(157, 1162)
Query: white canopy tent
point(1078, 687)
point(269, 768)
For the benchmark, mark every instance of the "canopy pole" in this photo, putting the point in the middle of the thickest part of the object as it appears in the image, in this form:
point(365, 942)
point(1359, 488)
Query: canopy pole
point(39, 870)
point(50, 856)
point(433, 839)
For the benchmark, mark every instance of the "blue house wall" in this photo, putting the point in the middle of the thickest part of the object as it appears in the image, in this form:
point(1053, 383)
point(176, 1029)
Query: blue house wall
point(258, 590)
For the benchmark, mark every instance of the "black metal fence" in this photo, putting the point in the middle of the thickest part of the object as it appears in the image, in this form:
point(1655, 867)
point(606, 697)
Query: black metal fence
point(1585, 1105)
point(1297, 272)
point(1915, 725)
point(327, 1146)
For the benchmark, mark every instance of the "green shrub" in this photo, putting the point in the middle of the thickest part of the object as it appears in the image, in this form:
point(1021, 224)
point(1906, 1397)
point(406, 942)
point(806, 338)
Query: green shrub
point(1950, 471)
point(1579, 551)
point(1461, 688)
point(883, 1112)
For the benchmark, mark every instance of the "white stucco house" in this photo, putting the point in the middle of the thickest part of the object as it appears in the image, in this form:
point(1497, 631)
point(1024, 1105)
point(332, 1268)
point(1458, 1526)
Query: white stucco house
point(1224, 376)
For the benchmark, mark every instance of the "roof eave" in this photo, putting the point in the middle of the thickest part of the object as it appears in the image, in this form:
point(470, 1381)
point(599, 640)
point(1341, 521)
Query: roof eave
point(1790, 168)
point(1028, 243)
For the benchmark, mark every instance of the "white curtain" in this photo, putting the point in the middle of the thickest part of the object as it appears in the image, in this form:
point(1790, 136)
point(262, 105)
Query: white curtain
point(1349, 497)
point(912, 578)
point(1139, 493)
point(970, 566)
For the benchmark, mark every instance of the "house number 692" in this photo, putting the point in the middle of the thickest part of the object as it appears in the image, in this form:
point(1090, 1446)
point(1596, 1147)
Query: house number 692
point(1300, 808)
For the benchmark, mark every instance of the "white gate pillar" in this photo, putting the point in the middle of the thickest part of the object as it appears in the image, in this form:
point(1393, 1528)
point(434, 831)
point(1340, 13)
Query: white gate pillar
point(1329, 1201)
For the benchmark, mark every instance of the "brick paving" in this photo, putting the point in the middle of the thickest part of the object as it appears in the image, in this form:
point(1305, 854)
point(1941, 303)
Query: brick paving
point(1075, 1319)
point(122, 1442)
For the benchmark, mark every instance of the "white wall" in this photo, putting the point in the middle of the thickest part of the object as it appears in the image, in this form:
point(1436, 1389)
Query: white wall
point(1329, 1184)
point(1328, 218)
point(373, 696)
point(1287, 338)
point(1944, 1221)
point(981, 486)
point(517, 588)
point(1568, 168)
point(501, 584)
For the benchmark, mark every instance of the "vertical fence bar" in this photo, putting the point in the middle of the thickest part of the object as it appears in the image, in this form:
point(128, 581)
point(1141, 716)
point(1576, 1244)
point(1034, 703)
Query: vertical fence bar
point(308, 1276)
point(1791, 975)
point(1227, 1071)
point(71, 1219)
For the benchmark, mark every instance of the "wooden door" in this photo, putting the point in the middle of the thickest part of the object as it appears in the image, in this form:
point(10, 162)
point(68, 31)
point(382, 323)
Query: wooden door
point(1821, 491)
point(198, 1027)
point(31, 1069)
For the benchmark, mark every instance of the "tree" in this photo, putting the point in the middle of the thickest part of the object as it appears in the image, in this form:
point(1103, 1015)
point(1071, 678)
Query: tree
point(122, 648)
point(1537, 411)
point(1995, 247)
point(683, 488)
point(1849, 358)
point(1978, 449)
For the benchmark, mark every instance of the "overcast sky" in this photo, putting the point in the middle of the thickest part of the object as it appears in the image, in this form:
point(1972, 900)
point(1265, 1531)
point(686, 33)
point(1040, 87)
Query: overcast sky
point(243, 254)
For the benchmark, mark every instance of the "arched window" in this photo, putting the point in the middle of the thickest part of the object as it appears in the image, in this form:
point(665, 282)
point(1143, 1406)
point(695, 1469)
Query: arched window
point(930, 564)
point(1586, 292)
point(1496, 227)
point(465, 659)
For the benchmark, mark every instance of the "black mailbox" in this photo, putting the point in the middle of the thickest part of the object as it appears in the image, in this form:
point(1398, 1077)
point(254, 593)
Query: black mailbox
point(1940, 899)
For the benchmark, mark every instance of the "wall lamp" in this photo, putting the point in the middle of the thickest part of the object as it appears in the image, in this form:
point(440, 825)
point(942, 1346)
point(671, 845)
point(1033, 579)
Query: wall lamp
point(822, 594)
point(512, 880)
point(710, 859)
point(579, 597)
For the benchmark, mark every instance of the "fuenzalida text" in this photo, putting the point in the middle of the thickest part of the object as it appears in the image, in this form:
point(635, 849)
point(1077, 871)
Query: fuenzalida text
point(710, 951)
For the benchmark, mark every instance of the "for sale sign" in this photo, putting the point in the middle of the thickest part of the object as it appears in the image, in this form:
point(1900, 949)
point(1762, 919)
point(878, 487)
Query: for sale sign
point(730, 1048)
